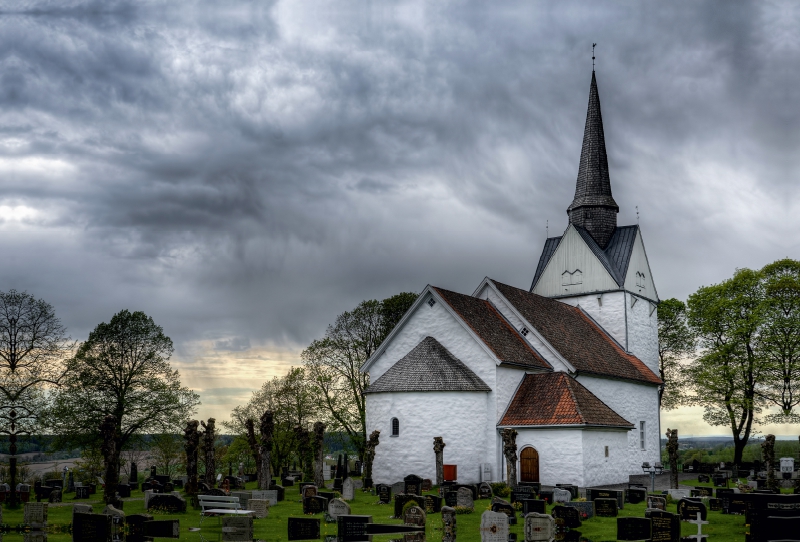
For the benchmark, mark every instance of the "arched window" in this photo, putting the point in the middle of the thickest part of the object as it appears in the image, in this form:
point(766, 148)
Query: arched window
point(395, 427)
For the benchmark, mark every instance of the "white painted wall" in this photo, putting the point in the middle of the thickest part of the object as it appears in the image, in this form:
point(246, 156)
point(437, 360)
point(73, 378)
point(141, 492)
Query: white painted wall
point(599, 469)
point(560, 454)
point(609, 311)
point(465, 420)
point(508, 379)
point(643, 330)
point(638, 263)
point(635, 403)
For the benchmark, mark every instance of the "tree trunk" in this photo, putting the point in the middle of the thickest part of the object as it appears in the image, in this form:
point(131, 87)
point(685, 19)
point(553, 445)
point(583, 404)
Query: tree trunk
point(267, 428)
point(319, 453)
point(209, 436)
point(438, 449)
point(251, 441)
point(509, 437)
point(191, 442)
point(672, 451)
point(369, 456)
point(110, 451)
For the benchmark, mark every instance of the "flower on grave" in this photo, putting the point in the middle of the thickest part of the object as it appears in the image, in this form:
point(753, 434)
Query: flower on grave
point(584, 515)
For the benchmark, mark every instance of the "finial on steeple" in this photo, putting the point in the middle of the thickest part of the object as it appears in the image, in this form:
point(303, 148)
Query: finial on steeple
point(547, 230)
point(593, 46)
point(637, 215)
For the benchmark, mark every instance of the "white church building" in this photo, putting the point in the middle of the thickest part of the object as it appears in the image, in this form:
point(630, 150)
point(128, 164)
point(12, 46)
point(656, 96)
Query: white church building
point(571, 363)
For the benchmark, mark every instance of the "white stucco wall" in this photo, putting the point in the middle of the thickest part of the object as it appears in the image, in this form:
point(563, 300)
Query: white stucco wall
point(464, 420)
point(560, 454)
point(599, 469)
point(635, 403)
point(507, 381)
point(643, 331)
point(609, 312)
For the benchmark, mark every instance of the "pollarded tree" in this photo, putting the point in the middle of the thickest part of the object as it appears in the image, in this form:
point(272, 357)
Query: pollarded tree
point(121, 370)
point(675, 342)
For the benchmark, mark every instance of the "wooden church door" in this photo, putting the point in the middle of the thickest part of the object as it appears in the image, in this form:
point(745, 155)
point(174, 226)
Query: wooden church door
point(529, 465)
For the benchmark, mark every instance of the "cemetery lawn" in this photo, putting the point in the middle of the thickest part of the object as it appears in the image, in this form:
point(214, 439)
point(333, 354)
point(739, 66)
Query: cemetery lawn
point(721, 527)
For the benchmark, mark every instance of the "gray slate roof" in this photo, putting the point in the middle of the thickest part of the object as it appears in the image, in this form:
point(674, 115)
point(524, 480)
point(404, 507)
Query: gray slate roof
point(429, 366)
point(615, 258)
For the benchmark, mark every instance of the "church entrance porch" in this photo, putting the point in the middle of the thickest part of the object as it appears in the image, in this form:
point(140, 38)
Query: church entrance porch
point(529, 465)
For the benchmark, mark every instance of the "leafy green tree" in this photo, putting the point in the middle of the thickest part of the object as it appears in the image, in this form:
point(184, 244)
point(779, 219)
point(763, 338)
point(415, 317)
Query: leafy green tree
point(729, 374)
point(121, 370)
point(334, 362)
point(675, 343)
point(166, 450)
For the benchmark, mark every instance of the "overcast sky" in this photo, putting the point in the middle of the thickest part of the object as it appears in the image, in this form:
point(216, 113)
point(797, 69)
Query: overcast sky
point(245, 173)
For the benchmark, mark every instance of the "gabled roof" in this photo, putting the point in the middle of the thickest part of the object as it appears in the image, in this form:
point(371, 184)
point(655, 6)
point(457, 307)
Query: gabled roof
point(577, 337)
point(557, 399)
point(615, 258)
point(493, 329)
point(429, 366)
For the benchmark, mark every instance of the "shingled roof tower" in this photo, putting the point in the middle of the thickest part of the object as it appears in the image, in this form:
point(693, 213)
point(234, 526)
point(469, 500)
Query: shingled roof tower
point(594, 208)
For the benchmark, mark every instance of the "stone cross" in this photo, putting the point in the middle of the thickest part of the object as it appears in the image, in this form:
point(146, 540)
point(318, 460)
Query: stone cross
point(438, 448)
point(209, 436)
point(267, 428)
point(699, 537)
point(191, 439)
point(369, 457)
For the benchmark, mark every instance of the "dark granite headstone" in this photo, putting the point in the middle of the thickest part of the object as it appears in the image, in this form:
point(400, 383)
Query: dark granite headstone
point(584, 508)
point(715, 505)
point(605, 507)
point(427, 484)
point(433, 503)
point(665, 526)
point(451, 498)
point(594, 493)
point(536, 487)
point(632, 528)
point(166, 502)
point(635, 495)
point(314, 505)
point(163, 479)
point(330, 495)
point(688, 509)
point(533, 505)
point(485, 491)
point(289, 482)
point(124, 490)
point(506, 509)
point(704, 491)
point(412, 484)
point(82, 492)
point(91, 527)
point(384, 493)
point(281, 491)
point(573, 489)
point(163, 528)
point(303, 529)
point(402, 499)
point(547, 496)
point(135, 527)
point(337, 484)
point(571, 517)
point(703, 478)
point(654, 501)
point(352, 528)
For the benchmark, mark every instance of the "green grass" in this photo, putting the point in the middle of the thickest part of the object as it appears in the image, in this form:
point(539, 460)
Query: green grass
point(274, 528)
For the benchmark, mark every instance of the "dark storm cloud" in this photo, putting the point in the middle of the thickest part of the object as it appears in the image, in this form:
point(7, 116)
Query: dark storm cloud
point(245, 173)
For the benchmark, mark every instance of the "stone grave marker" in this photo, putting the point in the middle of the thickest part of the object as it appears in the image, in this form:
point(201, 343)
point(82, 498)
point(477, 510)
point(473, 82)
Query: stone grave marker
point(659, 503)
point(91, 528)
point(433, 504)
point(585, 508)
point(260, 507)
point(537, 506)
point(539, 527)
point(451, 498)
point(688, 510)
point(124, 490)
point(82, 492)
point(82, 509)
point(270, 495)
point(280, 489)
point(594, 493)
point(303, 529)
point(699, 537)
point(507, 509)
point(561, 495)
point(237, 529)
point(571, 516)
point(485, 491)
point(635, 495)
point(384, 493)
point(572, 488)
point(288, 481)
point(414, 515)
point(358, 483)
point(401, 500)
point(162, 528)
point(678, 494)
point(168, 502)
point(632, 528)
point(327, 494)
point(665, 526)
point(35, 514)
point(464, 498)
point(427, 484)
point(244, 498)
point(308, 490)
point(546, 495)
point(494, 527)
point(715, 505)
point(55, 496)
point(352, 528)
point(412, 484)
point(703, 478)
point(702, 491)
point(314, 505)
point(398, 487)
point(337, 507)
point(448, 524)
point(605, 507)
point(134, 525)
point(348, 489)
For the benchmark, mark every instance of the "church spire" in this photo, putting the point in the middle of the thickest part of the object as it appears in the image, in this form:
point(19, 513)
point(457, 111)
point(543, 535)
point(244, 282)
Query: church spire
point(594, 207)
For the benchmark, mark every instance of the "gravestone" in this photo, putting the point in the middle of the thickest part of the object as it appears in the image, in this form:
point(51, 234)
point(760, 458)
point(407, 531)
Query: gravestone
point(659, 503)
point(398, 487)
point(561, 495)
point(401, 500)
point(494, 527)
point(635, 495)
point(571, 516)
point(82, 509)
point(594, 493)
point(665, 526)
point(703, 478)
point(237, 529)
point(303, 529)
point(348, 490)
point(464, 498)
point(605, 507)
point(703, 491)
point(70, 482)
point(270, 495)
point(55, 496)
point(537, 506)
point(715, 505)
point(91, 528)
point(314, 505)
point(160, 528)
point(134, 477)
point(448, 524)
point(384, 493)
point(244, 498)
point(134, 525)
point(414, 515)
point(572, 488)
point(688, 509)
point(281, 491)
point(632, 528)
point(260, 507)
point(427, 484)
point(327, 494)
point(35, 514)
point(358, 483)
point(484, 491)
point(584, 508)
point(433, 504)
point(507, 509)
point(337, 507)
point(412, 484)
point(308, 490)
point(451, 498)
point(82, 492)
point(539, 527)
point(124, 490)
point(522, 492)
point(546, 495)
point(678, 494)
point(167, 502)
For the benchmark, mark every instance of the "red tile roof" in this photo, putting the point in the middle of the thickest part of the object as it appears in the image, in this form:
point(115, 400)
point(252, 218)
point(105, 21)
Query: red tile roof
point(493, 329)
point(558, 399)
point(577, 337)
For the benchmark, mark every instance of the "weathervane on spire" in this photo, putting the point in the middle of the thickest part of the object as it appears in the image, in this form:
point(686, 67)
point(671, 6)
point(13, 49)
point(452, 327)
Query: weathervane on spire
point(637, 215)
point(593, 46)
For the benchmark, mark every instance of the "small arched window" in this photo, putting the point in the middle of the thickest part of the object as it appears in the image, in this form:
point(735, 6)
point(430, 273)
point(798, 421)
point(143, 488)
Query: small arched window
point(395, 427)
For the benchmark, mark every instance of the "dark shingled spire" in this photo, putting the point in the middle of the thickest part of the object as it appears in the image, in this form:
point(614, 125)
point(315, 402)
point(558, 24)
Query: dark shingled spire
point(594, 207)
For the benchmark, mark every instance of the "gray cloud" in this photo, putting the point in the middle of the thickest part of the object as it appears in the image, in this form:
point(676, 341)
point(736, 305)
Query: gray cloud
point(245, 173)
